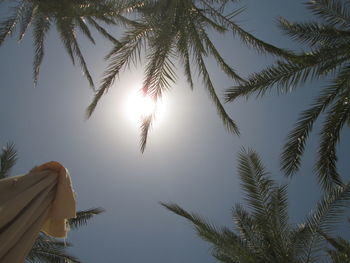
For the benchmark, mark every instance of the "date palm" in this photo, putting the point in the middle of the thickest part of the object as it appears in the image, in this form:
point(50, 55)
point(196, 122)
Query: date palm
point(68, 16)
point(263, 233)
point(176, 32)
point(329, 58)
point(46, 248)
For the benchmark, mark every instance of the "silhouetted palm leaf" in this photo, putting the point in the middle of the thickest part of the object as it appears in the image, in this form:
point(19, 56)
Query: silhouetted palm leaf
point(50, 250)
point(84, 216)
point(8, 158)
point(329, 57)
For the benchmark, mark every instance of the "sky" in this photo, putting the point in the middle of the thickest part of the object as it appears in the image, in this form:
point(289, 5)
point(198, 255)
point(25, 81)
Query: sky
point(190, 158)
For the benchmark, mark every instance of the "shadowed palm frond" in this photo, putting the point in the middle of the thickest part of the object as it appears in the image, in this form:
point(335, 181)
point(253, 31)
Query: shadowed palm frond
point(83, 217)
point(8, 158)
point(50, 250)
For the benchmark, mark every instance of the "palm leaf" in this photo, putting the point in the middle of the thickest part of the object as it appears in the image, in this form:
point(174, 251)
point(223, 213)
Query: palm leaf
point(50, 250)
point(296, 140)
point(8, 159)
point(83, 217)
point(333, 12)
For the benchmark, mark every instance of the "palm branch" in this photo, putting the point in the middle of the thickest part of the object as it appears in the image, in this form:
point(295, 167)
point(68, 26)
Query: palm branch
point(263, 232)
point(171, 32)
point(329, 58)
point(8, 158)
point(69, 16)
point(84, 216)
point(50, 250)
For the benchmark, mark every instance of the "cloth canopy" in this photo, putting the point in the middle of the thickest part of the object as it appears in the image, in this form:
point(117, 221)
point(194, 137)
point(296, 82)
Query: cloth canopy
point(41, 200)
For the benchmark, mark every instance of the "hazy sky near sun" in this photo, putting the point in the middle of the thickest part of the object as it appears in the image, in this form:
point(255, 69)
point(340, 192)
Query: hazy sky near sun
point(190, 158)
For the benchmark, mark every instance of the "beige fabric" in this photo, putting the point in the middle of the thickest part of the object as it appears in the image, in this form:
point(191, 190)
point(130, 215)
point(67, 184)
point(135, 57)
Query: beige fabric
point(41, 200)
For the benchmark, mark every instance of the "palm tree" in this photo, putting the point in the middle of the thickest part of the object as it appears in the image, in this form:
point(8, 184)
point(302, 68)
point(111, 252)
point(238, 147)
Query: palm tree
point(171, 32)
point(67, 15)
point(263, 233)
point(46, 248)
point(328, 59)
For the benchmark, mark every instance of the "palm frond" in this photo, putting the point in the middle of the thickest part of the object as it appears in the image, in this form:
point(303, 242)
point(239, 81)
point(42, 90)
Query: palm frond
point(66, 37)
point(221, 62)
point(25, 19)
point(8, 159)
point(204, 229)
point(314, 34)
point(279, 208)
point(284, 76)
point(246, 37)
point(296, 140)
point(333, 12)
point(159, 73)
point(83, 217)
point(8, 26)
point(225, 242)
point(183, 50)
point(84, 29)
point(145, 127)
point(50, 250)
point(41, 27)
point(330, 134)
point(327, 214)
point(228, 122)
point(79, 56)
point(121, 56)
point(255, 183)
point(102, 31)
point(248, 228)
point(340, 245)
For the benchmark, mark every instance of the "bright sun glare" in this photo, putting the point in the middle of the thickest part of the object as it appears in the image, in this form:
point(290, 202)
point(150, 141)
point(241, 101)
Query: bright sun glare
point(139, 106)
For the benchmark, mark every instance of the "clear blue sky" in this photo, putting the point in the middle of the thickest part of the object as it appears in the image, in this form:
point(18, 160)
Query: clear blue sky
point(190, 158)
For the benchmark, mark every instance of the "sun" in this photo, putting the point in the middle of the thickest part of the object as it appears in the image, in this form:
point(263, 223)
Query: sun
point(139, 106)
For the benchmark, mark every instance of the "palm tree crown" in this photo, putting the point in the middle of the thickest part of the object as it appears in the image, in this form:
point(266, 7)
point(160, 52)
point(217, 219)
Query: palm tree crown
point(328, 39)
point(176, 31)
point(263, 233)
point(67, 15)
